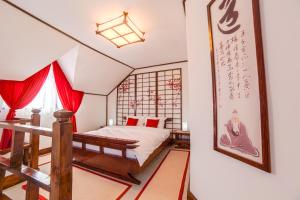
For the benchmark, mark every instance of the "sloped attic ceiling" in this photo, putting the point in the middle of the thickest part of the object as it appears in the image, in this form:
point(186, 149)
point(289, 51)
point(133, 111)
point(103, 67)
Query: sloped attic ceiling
point(28, 45)
point(162, 20)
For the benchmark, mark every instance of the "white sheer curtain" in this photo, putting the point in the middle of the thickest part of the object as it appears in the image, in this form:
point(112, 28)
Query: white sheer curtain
point(47, 100)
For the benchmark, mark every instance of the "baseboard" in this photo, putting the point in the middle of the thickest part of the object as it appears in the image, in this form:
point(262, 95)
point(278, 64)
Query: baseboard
point(45, 151)
point(190, 196)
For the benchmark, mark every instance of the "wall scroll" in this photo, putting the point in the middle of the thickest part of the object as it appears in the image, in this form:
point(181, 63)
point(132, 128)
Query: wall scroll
point(239, 88)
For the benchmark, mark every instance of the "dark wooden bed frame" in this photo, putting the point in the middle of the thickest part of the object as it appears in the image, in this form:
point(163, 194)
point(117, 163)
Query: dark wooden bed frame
point(121, 167)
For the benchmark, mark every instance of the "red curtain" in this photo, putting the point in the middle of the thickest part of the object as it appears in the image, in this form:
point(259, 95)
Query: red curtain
point(70, 99)
point(17, 95)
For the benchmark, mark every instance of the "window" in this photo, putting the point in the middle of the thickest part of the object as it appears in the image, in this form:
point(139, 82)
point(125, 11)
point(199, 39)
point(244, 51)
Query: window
point(47, 100)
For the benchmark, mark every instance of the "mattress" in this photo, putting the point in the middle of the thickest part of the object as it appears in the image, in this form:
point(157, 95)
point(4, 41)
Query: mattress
point(149, 140)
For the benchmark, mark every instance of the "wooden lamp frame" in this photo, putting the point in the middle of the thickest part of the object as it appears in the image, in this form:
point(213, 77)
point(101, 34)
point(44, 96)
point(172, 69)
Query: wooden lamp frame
point(125, 21)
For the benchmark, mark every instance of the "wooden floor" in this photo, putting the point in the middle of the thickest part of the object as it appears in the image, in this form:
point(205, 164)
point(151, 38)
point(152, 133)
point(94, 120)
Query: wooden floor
point(113, 190)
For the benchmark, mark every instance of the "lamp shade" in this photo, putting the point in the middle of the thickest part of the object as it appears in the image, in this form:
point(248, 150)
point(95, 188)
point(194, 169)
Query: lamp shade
point(184, 126)
point(120, 31)
point(110, 122)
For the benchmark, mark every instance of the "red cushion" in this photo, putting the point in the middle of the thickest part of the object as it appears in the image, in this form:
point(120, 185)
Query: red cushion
point(132, 122)
point(152, 123)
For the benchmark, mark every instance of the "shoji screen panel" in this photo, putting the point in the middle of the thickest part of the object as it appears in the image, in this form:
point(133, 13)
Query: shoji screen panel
point(125, 97)
point(169, 97)
point(152, 94)
point(146, 94)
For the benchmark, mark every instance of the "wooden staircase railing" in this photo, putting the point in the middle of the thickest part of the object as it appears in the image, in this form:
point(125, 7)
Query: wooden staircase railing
point(30, 149)
point(59, 182)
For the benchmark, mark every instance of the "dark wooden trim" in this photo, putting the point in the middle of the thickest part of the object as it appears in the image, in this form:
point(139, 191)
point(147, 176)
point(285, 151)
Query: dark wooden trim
point(120, 82)
point(156, 95)
point(64, 33)
point(12, 180)
point(184, 7)
point(59, 183)
point(181, 99)
point(266, 159)
point(45, 151)
point(190, 196)
point(32, 190)
point(262, 87)
point(135, 92)
point(162, 64)
point(5, 197)
point(106, 107)
point(117, 105)
point(61, 157)
point(117, 166)
point(156, 90)
point(109, 142)
point(103, 95)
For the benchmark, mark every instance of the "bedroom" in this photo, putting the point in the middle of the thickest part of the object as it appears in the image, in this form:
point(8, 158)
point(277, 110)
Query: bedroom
point(138, 99)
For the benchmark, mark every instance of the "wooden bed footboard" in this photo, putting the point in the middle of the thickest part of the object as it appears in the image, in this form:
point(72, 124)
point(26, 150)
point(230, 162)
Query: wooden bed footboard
point(119, 166)
point(108, 142)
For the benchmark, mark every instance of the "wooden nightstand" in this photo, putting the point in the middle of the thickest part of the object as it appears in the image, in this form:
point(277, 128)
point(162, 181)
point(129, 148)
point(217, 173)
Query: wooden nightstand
point(181, 139)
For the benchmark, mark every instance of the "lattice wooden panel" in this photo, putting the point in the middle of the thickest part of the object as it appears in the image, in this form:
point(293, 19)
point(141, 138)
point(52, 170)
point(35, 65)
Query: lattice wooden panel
point(152, 94)
point(125, 97)
point(170, 96)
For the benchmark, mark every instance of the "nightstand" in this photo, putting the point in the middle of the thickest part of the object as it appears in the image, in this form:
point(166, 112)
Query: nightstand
point(181, 139)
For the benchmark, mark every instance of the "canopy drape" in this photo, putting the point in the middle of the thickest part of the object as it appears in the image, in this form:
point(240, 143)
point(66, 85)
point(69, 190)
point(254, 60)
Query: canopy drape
point(70, 99)
point(17, 95)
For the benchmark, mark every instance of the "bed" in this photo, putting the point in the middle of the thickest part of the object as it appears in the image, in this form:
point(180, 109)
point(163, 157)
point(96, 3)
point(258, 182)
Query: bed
point(120, 151)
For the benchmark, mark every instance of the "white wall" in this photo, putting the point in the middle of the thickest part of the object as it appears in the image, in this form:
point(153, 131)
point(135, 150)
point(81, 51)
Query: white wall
point(68, 64)
point(96, 73)
point(92, 113)
point(112, 98)
point(112, 106)
point(215, 176)
point(27, 45)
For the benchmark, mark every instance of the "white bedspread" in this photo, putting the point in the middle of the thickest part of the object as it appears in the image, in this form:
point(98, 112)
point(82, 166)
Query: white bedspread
point(149, 139)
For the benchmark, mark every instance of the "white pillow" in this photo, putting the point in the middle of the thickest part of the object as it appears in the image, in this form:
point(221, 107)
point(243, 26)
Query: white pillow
point(161, 123)
point(140, 118)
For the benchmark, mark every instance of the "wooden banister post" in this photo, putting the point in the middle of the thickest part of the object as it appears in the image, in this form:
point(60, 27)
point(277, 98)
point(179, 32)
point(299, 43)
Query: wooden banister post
point(17, 149)
point(61, 157)
point(35, 139)
point(2, 176)
point(32, 191)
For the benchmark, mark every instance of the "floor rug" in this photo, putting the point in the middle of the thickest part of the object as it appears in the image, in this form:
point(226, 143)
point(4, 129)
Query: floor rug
point(163, 179)
point(87, 185)
point(167, 182)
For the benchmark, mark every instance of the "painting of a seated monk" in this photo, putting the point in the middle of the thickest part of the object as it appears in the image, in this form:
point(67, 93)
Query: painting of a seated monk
point(236, 136)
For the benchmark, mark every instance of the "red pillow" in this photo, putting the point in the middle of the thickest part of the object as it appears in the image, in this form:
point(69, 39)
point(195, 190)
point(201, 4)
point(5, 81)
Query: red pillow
point(152, 123)
point(132, 122)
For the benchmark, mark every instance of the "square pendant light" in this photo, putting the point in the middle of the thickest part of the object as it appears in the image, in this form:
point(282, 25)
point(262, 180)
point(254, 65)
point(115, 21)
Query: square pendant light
point(120, 31)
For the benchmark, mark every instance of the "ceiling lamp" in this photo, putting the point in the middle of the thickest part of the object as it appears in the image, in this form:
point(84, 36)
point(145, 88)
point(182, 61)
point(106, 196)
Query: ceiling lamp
point(120, 31)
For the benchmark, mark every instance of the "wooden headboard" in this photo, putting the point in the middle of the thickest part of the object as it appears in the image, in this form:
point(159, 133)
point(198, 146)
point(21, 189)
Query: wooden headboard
point(155, 94)
point(168, 120)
